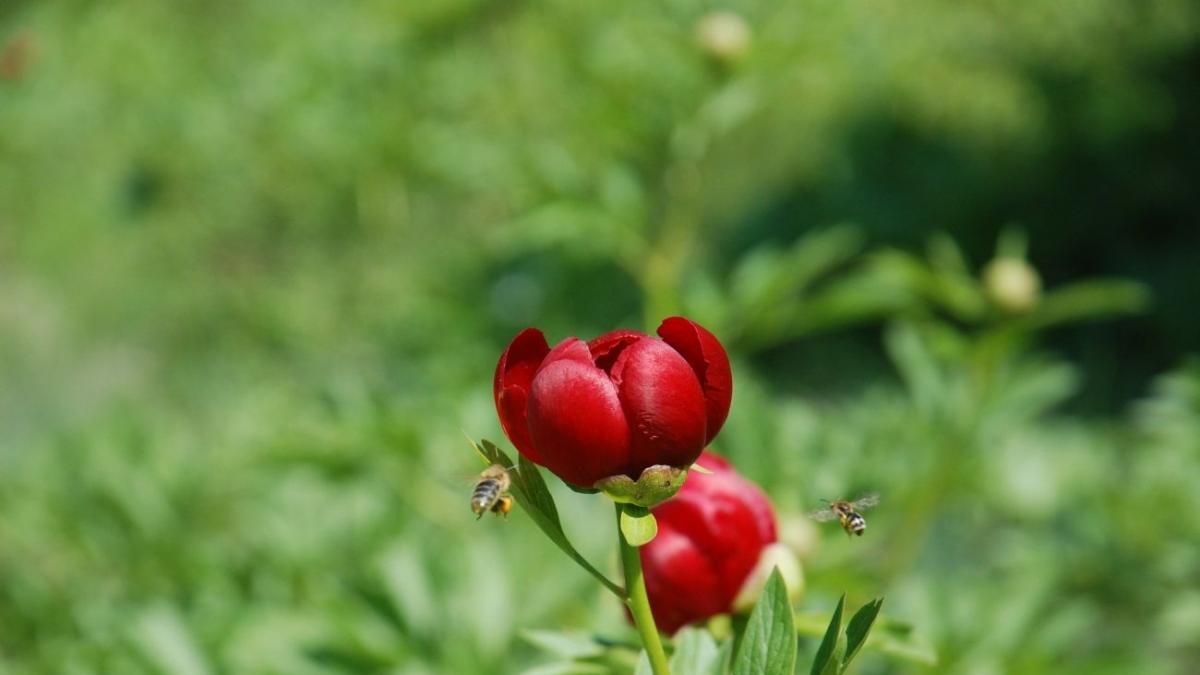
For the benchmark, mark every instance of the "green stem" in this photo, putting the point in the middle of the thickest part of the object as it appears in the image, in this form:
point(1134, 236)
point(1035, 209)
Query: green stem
point(587, 566)
point(639, 603)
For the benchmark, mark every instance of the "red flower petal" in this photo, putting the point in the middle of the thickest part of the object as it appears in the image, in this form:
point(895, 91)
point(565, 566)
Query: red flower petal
point(714, 463)
point(575, 417)
point(510, 387)
point(606, 348)
point(708, 359)
point(751, 495)
point(663, 403)
point(682, 584)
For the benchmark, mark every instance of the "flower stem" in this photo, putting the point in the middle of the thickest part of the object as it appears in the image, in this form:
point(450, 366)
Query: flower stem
point(587, 566)
point(639, 603)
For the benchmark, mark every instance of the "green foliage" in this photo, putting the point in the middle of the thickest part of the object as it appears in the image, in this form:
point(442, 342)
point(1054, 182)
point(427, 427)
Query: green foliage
point(859, 628)
point(535, 498)
point(257, 261)
point(768, 645)
point(696, 652)
point(838, 648)
point(833, 645)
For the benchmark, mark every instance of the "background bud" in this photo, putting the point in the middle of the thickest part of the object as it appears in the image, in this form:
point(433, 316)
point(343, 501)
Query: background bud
point(1012, 284)
point(712, 536)
point(777, 555)
point(723, 35)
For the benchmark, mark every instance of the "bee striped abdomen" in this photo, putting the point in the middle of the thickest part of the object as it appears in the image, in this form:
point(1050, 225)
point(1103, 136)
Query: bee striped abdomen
point(487, 491)
point(857, 523)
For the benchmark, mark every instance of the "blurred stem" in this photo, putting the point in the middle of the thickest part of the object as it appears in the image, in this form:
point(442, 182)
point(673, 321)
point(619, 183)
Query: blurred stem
point(660, 270)
point(639, 603)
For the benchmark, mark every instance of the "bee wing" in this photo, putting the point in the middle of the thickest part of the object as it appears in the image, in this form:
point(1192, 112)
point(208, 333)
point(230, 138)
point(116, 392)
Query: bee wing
point(865, 502)
point(823, 515)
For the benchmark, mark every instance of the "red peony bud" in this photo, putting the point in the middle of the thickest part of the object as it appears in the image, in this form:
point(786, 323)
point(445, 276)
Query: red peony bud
point(711, 535)
point(616, 405)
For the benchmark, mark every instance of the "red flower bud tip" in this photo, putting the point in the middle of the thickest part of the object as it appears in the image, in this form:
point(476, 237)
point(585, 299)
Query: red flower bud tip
point(711, 535)
point(616, 405)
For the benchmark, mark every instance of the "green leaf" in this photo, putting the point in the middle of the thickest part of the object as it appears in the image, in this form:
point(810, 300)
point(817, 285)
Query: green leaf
point(945, 256)
point(893, 638)
point(725, 657)
point(1012, 243)
point(827, 660)
point(571, 645)
point(643, 665)
point(532, 494)
point(168, 643)
point(638, 525)
point(769, 643)
point(696, 653)
point(918, 366)
point(568, 668)
point(859, 627)
point(1084, 300)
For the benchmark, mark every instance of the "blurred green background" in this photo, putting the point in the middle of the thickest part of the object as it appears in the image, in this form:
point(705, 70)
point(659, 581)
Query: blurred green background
point(258, 259)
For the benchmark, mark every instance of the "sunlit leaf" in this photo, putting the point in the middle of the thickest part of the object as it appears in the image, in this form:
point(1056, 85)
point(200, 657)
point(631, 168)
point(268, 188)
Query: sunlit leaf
point(643, 665)
point(859, 628)
point(572, 645)
point(768, 645)
point(894, 638)
point(828, 658)
point(696, 653)
point(568, 668)
point(166, 641)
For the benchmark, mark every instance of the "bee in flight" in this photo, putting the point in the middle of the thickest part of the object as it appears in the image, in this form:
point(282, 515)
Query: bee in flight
point(847, 513)
point(491, 492)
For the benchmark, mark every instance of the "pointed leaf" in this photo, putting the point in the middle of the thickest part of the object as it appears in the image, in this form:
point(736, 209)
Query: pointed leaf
point(531, 493)
point(1085, 300)
point(769, 644)
point(534, 497)
point(638, 525)
point(894, 638)
point(696, 653)
point(827, 653)
point(859, 627)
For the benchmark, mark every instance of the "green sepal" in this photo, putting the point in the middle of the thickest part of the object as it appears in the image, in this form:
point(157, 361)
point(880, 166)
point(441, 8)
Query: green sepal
point(656, 485)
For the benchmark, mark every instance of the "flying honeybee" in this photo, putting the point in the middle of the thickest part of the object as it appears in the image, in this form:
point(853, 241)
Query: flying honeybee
point(847, 513)
point(491, 492)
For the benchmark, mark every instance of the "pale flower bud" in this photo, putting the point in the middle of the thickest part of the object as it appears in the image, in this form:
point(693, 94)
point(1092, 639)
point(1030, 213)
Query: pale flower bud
point(1012, 283)
point(723, 35)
